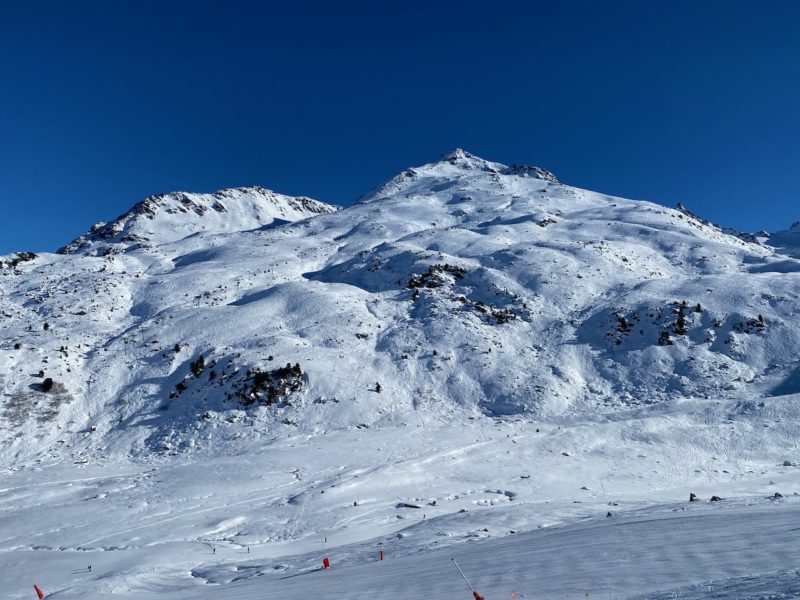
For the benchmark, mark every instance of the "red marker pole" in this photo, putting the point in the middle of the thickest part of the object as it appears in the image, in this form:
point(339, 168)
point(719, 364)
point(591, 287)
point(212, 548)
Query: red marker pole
point(475, 593)
point(39, 592)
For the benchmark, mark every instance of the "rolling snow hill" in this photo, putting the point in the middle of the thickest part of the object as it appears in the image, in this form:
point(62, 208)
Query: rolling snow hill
point(467, 336)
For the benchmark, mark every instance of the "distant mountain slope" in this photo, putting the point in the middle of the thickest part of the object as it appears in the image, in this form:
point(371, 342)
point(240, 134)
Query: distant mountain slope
point(169, 217)
point(787, 242)
point(459, 287)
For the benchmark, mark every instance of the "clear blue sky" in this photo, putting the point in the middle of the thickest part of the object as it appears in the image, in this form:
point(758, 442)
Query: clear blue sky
point(104, 103)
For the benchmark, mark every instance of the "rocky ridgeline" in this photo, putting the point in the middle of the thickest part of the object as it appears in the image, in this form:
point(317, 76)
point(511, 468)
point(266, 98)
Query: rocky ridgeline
point(16, 260)
point(165, 217)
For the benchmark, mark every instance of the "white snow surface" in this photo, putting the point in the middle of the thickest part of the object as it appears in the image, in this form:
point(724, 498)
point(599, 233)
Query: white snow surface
point(473, 361)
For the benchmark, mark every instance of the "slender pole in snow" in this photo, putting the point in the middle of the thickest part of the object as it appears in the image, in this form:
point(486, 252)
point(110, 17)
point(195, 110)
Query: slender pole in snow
point(472, 589)
point(475, 593)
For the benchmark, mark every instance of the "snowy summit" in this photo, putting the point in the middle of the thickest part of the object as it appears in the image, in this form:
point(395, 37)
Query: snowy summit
point(169, 217)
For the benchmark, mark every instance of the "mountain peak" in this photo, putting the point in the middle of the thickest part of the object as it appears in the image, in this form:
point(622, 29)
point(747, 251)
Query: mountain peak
point(453, 165)
point(164, 218)
point(457, 154)
point(466, 160)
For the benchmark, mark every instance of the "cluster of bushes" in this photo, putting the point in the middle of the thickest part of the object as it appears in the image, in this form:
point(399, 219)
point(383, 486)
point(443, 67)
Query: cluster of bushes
point(624, 325)
point(270, 387)
point(680, 321)
point(756, 325)
point(501, 315)
point(495, 315)
point(253, 386)
point(198, 366)
point(674, 321)
point(435, 276)
point(439, 275)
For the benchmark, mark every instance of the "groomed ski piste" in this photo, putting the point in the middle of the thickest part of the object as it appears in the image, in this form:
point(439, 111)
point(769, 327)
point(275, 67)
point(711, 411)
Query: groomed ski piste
point(473, 362)
point(167, 530)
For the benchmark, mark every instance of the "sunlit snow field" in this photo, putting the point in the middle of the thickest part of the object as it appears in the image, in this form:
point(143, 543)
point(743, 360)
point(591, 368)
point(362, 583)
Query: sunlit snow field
point(534, 517)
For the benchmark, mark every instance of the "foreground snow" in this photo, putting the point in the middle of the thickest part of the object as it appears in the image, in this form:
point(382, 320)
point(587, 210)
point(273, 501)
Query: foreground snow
point(522, 510)
point(740, 549)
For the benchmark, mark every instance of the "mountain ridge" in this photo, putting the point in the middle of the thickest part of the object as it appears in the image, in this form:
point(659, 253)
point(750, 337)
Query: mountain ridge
point(251, 206)
point(469, 287)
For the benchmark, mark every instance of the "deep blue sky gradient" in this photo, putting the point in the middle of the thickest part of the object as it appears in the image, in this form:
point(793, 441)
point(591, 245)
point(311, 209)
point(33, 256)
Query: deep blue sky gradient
point(104, 103)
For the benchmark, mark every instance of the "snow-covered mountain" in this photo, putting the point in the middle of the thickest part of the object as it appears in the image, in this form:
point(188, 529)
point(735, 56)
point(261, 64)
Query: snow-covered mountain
point(460, 297)
point(459, 285)
point(169, 217)
point(786, 242)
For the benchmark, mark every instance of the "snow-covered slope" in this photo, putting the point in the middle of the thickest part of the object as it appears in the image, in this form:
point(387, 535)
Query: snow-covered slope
point(169, 217)
point(463, 313)
point(787, 242)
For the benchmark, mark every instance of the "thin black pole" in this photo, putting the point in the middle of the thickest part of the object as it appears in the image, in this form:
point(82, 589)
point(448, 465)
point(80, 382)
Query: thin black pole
point(472, 589)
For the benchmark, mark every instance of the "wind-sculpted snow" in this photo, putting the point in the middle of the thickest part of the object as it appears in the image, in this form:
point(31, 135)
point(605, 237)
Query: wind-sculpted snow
point(370, 358)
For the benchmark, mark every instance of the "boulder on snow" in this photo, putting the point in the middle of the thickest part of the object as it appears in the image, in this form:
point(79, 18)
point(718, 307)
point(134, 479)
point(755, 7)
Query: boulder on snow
point(715, 499)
